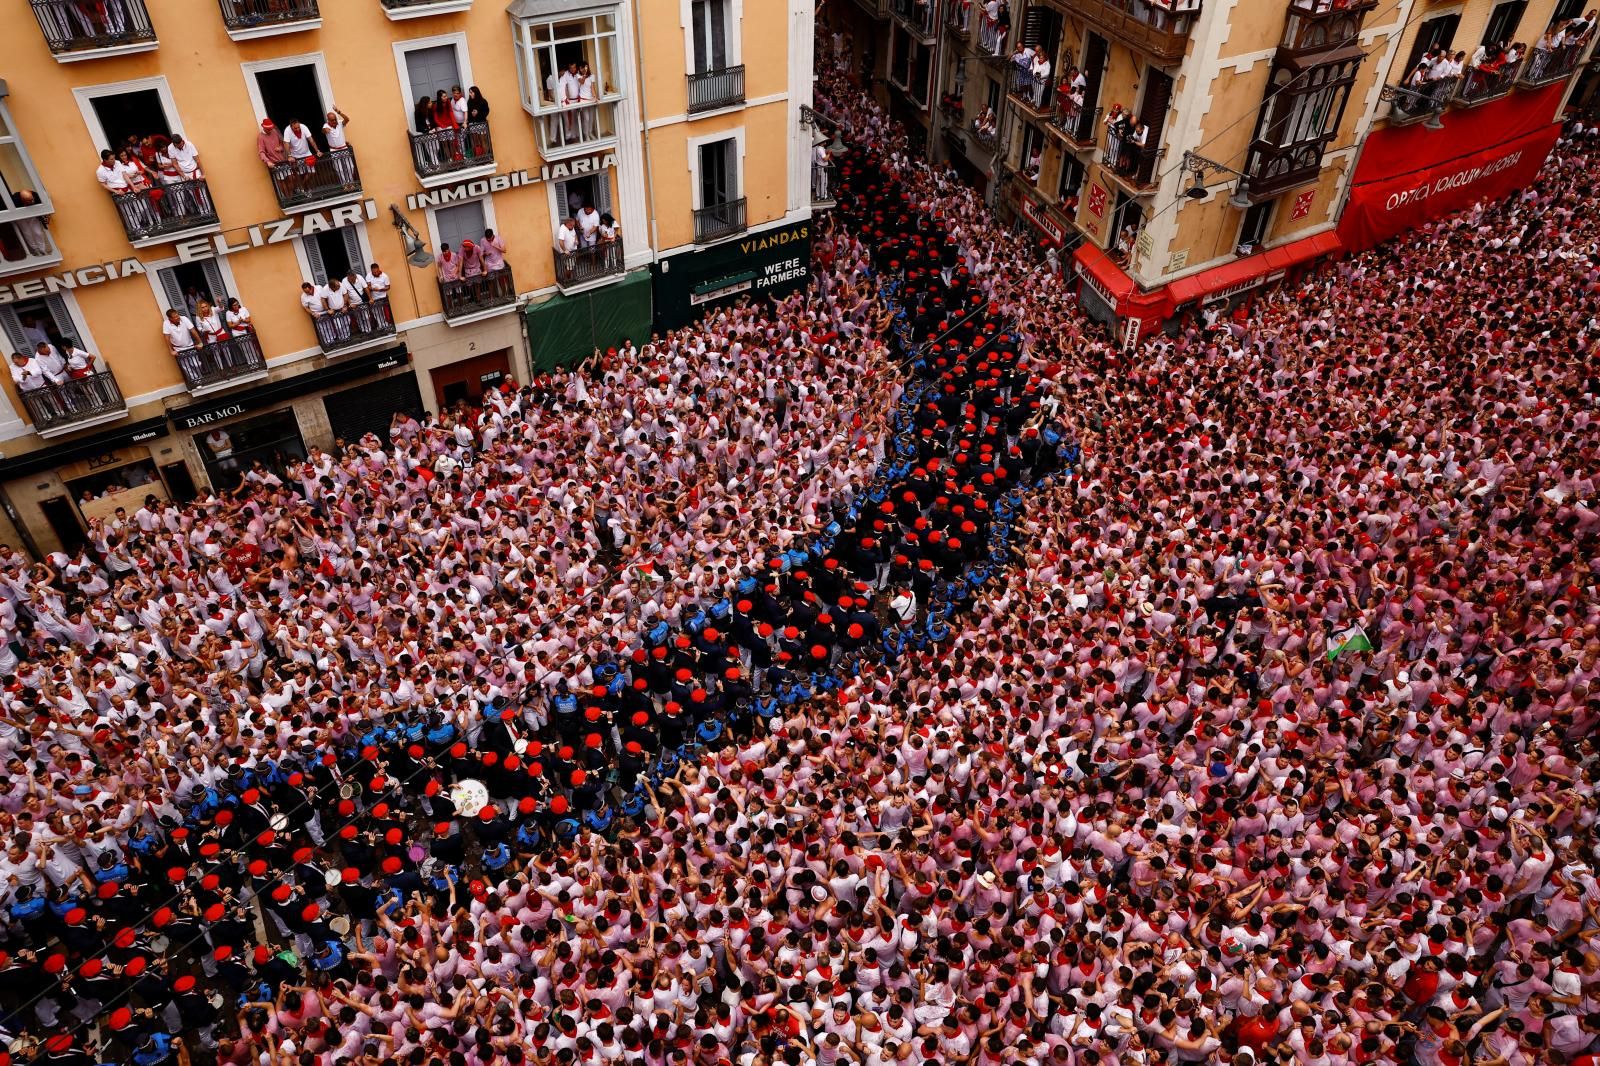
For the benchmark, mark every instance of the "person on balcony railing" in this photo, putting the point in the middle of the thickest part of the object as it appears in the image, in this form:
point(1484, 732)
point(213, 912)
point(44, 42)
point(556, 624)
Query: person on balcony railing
point(269, 145)
point(180, 166)
point(611, 241)
point(449, 264)
point(345, 310)
point(1040, 70)
point(1117, 124)
point(303, 156)
point(333, 127)
point(567, 236)
point(179, 329)
point(588, 224)
point(29, 375)
point(238, 317)
point(33, 233)
point(493, 249)
point(378, 283)
point(311, 300)
point(116, 176)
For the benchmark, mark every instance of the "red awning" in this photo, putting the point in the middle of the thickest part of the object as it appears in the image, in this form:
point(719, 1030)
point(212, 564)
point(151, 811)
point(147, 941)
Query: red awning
point(1251, 268)
point(1098, 265)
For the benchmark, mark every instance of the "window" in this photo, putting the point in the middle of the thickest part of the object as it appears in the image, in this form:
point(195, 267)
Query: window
point(900, 57)
point(47, 319)
point(333, 253)
point(183, 286)
point(123, 114)
point(1503, 23)
point(1072, 173)
point(711, 29)
point(25, 243)
point(1435, 33)
point(572, 194)
point(286, 90)
point(459, 222)
point(1253, 230)
point(549, 51)
point(1032, 154)
point(994, 97)
point(1307, 105)
point(1567, 10)
point(719, 172)
point(431, 70)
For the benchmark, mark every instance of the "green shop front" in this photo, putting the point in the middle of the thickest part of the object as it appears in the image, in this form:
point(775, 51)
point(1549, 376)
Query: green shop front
point(772, 262)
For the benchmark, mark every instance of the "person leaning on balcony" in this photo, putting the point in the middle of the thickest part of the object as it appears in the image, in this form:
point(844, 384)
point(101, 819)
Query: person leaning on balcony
point(477, 105)
point(378, 283)
point(33, 232)
point(51, 359)
point(303, 151)
point(180, 332)
point(449, 264)
point(111, 175)
point(28, 375)
point(333, 132)
point(567, 236)
point(269, 145)
point(471, 260)
point(208, 323)
point(311, 300)
point(458, 105)
point(588, 224)
point(238, 317)
point(493, 249)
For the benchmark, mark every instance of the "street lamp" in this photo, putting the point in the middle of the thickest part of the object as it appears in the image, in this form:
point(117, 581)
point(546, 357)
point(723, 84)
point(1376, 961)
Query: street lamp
point(1200, 166)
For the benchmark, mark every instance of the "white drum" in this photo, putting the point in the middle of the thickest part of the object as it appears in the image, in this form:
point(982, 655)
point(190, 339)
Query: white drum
point(470, 796)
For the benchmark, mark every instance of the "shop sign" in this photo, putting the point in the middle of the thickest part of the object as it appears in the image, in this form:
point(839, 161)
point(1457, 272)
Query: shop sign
point(471, 190)
point(1039, 217)
point(275, 231)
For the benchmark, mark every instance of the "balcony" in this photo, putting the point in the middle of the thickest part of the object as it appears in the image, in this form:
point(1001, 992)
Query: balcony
point(446, 153)
point(355, 327)
point(1032, 92)
point(469, 299)
point(1546, 66)
point(74, 404)
point(713, 89)
point(249, 19)
point(1131, 165)
point(1075, 122)
point(991, 39)
point(878, 9)
point(917, 16)
point(1479, 85)
point(222, 365)
point(76, 30)
point(329, 177)
point(166, 212)
point(822, 186)
point(986, 135)
point(583, 268)
point(26, 244)
point(400, 10)
point(1323, 25)
point(1146, 27)
point(1423, 104)
point(575, 130)
point(1274, 169)
point(719, 220)
point(958, 17)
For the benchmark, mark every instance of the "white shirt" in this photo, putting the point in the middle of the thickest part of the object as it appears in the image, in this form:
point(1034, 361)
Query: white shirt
point(338, 295)
point(588, 222)
point(569, 87)
point(187, 158)
point(299, 145)
point(240, 319)
point(179, 333)
point(111, 177)
point(567, 239)
point(378, 285)
point(29, 375)
point(334, 132)
point(312, 302)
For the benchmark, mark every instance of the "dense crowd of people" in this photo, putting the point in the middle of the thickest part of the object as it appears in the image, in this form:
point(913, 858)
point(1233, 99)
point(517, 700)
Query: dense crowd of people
point(897, 673)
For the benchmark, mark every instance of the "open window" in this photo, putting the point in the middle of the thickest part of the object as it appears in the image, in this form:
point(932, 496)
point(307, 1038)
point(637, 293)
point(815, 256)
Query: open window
point(719, 172)
point(590, 189)
point(713, 35)
point(25, 240)
point(1501, 29)
point(548, 51)
point(1437, 32)
point(459, 222)
point(184, 285)
point(126, 114)
point(286, 90)
point(46, 319)
point(333, 253)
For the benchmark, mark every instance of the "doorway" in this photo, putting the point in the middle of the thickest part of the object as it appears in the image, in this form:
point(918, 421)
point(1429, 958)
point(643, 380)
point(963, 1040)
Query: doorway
point(64, 522)
point(289, 93)
point(127, 118)
point(466, 381)
point(180, 483)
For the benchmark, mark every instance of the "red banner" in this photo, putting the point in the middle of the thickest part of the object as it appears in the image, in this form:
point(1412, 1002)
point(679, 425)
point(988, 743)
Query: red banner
point(1411, 174)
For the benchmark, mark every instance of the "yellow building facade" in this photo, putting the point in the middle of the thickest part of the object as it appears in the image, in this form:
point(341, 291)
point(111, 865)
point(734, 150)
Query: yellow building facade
point(1244, 123)
point(411, 201)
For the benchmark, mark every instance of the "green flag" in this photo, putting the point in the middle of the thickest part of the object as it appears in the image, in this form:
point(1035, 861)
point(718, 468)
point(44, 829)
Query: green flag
point(1352, 639)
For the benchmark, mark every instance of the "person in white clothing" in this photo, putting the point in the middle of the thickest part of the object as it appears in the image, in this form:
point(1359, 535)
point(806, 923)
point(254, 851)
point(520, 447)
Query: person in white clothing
point(136, 213)
point(339, 145)
point(187, 157)
point(182, 337)
point(378, 283)
point(238, 317)
point(588, 225)
point(588, 93)
point(303, 156)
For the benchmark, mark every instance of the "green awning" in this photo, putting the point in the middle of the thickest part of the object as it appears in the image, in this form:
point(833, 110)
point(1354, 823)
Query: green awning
point(567, 329)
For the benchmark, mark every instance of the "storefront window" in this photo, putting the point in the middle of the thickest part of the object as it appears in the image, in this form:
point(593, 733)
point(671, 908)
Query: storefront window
point(232, 451)
point(100, 493)
point(568, 62)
